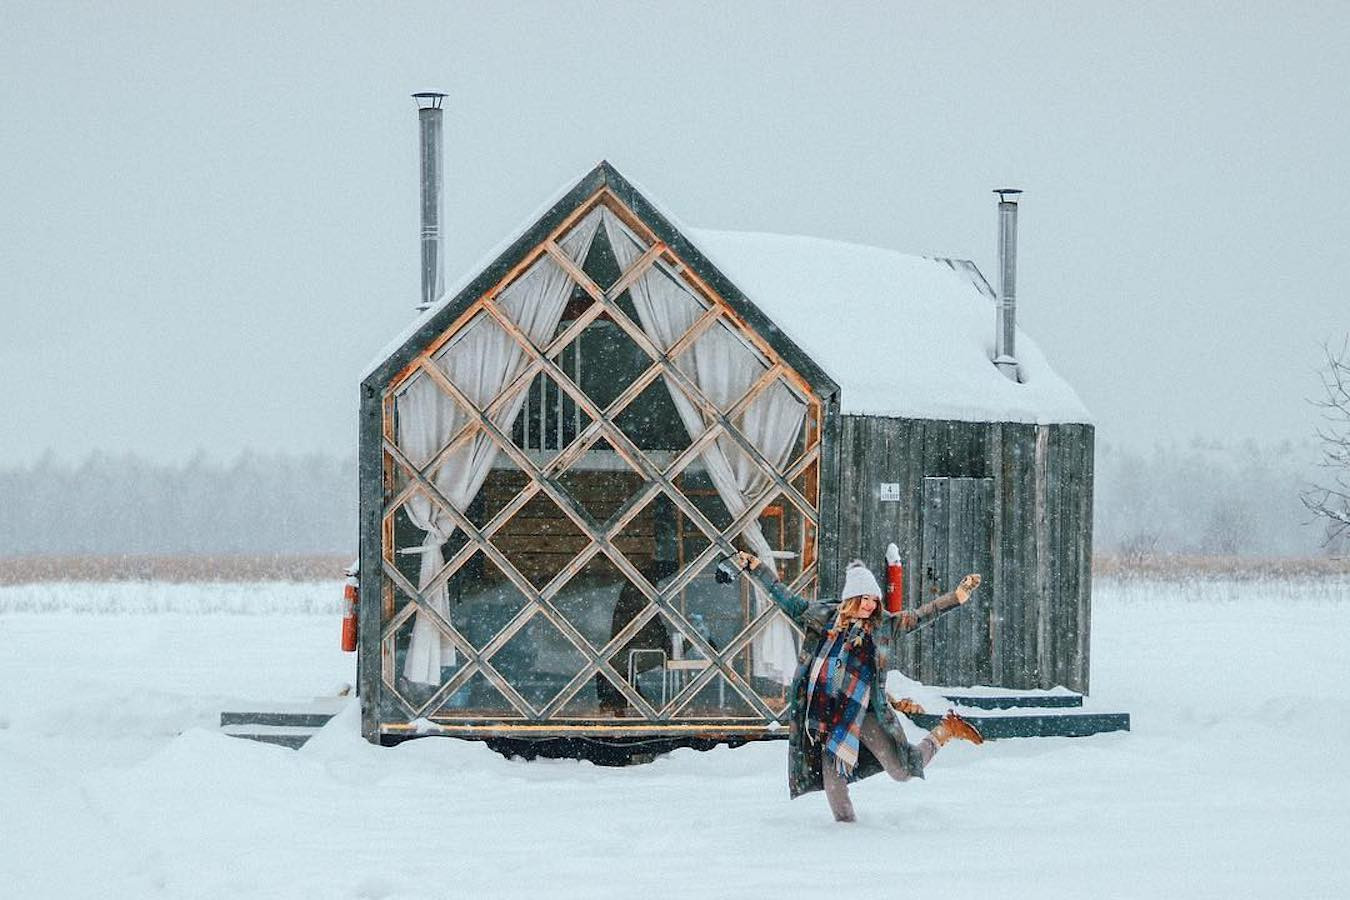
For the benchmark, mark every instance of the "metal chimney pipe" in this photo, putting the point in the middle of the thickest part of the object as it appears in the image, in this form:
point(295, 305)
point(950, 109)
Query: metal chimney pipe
point(1005, 326)
point(433, 264)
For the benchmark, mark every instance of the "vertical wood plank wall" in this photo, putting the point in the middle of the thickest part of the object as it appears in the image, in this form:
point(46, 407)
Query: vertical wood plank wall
point(1028, 488)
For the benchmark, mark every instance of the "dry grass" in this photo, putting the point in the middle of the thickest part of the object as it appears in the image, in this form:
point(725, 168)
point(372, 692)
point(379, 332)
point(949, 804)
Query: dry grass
point(1238, 568)
point(179, 569)
point(30, 569)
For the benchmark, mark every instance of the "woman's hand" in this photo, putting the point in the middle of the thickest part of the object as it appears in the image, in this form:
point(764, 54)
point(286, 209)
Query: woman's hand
point(967, 587)
point(747, 561)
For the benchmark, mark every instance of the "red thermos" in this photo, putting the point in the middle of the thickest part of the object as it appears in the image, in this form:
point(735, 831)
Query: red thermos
point(349, 608)
point(895, 580)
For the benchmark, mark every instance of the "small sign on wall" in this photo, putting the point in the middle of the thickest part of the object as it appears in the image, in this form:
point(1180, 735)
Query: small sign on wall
point(890, 492)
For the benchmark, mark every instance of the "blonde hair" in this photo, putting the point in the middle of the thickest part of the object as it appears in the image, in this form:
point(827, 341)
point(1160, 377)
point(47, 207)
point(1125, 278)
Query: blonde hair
point(849, 610)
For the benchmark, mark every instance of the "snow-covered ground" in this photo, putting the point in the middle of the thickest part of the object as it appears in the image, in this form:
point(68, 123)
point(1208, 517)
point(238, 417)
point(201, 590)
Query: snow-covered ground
point(114, 783)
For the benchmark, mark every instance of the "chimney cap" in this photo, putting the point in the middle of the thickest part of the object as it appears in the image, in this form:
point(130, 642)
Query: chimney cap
point(428, 99)
point(1004, 191)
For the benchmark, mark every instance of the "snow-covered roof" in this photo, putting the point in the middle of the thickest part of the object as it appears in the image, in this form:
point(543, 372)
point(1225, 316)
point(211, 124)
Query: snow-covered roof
point(901, 335)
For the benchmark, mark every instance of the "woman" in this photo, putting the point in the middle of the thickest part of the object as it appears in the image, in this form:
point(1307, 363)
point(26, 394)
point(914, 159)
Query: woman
point(842, 728)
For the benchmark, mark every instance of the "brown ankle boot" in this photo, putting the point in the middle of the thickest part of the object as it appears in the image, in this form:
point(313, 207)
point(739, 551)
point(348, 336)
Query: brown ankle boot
point(953, 726)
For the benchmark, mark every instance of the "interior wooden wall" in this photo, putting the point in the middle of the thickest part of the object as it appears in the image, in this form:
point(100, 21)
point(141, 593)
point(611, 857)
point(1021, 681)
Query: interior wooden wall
point(539, 540)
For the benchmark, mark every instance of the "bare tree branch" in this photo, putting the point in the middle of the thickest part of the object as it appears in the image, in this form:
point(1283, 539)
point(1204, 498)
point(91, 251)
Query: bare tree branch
point(1330, 500)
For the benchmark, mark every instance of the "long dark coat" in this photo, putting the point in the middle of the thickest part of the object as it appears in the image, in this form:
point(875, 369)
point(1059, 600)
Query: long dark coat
point(815, 618)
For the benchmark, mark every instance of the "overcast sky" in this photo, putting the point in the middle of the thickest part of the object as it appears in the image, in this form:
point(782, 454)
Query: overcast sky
point(208, 213)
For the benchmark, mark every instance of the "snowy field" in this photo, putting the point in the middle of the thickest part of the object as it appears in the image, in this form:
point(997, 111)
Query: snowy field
point(114, 783)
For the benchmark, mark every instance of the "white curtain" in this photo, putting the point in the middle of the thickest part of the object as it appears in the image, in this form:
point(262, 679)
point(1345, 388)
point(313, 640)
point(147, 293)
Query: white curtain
point(724, 368)
point(481, 361)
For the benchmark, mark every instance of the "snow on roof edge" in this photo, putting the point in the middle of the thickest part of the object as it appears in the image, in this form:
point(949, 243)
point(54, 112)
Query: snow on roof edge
point(925, 345)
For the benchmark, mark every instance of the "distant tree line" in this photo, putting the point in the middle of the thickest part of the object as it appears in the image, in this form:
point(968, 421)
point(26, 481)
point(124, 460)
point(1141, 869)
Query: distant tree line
point(256, 504)
point(1199, 498)
point(1208, 498)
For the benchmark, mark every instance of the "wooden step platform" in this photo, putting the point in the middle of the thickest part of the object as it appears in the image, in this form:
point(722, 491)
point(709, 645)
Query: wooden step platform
point(1003, 713)
point(997, 698)
point(285, 724)
point(1038, 724)
point(295, 738)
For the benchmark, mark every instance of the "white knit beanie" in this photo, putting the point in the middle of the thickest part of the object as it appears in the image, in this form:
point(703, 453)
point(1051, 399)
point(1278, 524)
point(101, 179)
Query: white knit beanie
point(859, 581)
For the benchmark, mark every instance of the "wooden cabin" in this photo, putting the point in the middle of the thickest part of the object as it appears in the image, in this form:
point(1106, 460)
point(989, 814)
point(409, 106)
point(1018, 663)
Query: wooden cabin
point(556, 453)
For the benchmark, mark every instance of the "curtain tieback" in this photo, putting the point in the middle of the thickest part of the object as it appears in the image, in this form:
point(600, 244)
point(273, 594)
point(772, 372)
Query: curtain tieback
point(431, 543)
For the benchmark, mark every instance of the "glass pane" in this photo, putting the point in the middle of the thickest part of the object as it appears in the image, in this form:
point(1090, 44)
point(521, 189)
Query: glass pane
point(808, 436)
point(715, 610)
point(662, 545)
point(482, 600)
point(695, 485)
point(686, 661)
point(399, 477)
point(538, 661)
point(582, 235)
point(600, 262)
point(477, 699)
point(808, 482)
point(597, 698)
point(784, 528)
point(769, 663)
point(601, 482)
point(791, 534)
point(409, 550)
point(673, 307)
point(599, 601)
point(422, 658)
point(481, 359)
point(772, 423)
point(425, 419)
point(652, 422)
point(648, 540)
point(544, 293)
point(578, 302)
point(722, 364)
point(644, 661)
point(503, 484)
point(536, 298)
point(608, 361)
point(547, 420)
point(539, 540)
point(718, 700)
point(626, 246)
point(774, 658)
point(625, 303)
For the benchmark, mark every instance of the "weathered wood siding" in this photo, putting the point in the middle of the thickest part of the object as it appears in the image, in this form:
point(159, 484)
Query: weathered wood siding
point(1009, 500)
point(957, 521)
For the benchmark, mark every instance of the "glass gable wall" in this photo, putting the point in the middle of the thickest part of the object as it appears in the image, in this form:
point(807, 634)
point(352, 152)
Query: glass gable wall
point(564, 467)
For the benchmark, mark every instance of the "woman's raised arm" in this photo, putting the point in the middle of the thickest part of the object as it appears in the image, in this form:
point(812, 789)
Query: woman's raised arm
point(792, 604)
point(910, 619)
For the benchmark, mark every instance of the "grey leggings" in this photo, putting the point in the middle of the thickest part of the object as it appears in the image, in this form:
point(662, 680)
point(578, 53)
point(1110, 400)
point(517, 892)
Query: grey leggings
point(875, 739)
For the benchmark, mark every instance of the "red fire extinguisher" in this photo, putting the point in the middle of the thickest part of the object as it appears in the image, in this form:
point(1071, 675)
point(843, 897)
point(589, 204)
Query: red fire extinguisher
point(895, 580)
point(350, 595)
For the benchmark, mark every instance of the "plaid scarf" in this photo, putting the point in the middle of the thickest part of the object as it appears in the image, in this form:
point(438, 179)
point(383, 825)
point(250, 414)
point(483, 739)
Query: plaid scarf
point(838, 688)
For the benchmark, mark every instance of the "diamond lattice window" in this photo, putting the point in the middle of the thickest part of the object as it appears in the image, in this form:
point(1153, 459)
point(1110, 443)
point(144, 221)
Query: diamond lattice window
point(564, 466)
